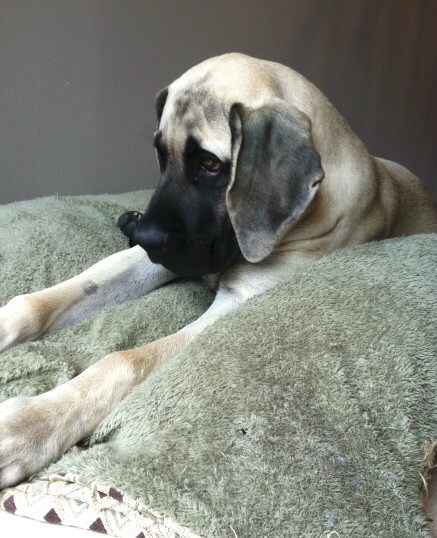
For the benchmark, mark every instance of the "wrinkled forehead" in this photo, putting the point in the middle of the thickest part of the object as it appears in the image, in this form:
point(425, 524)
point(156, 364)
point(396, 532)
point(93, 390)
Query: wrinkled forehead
point(196, 113)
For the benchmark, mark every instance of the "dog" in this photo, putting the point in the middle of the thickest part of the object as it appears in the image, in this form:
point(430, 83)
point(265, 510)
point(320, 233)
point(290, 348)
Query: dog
point(260, 175)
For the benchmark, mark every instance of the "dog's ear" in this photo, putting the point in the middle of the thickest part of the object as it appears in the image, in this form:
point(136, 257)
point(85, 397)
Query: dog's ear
point(276, 172)
point(160, 100)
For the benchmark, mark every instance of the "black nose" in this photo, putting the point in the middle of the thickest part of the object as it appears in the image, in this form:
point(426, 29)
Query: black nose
point(150, 238)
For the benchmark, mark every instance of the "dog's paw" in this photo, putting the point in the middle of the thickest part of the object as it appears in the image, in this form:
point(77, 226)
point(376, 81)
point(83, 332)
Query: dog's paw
point(20, 320)
point(127, 224)
point(29, 438)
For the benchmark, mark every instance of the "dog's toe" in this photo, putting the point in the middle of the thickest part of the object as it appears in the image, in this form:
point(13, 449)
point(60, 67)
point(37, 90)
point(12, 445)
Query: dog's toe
point(127, 223)
point(130, 218)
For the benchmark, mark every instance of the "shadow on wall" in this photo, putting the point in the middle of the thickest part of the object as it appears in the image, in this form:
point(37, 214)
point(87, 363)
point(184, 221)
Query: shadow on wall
point(79, 78)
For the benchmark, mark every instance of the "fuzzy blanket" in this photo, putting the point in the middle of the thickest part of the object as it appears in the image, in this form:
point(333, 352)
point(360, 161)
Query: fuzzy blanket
point(305, 413)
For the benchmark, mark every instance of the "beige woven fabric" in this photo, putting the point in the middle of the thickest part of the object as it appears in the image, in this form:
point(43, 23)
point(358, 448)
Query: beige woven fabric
point(62, 499)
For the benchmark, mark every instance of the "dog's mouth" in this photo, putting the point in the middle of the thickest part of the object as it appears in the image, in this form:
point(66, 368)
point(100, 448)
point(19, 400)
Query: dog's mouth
point(185, 254)
point(189, 257)
point(195, 262)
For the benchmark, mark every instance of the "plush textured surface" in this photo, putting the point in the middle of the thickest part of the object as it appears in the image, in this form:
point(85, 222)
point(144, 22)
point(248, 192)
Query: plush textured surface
point(302, 413)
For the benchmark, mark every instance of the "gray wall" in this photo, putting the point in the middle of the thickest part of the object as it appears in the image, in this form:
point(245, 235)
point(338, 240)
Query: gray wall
point(78, 78)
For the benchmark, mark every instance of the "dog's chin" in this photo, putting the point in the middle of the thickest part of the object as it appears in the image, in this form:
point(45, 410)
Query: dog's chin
point(195, 265)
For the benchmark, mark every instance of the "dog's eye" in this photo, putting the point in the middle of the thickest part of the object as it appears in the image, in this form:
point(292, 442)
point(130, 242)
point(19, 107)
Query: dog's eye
point(211, 165)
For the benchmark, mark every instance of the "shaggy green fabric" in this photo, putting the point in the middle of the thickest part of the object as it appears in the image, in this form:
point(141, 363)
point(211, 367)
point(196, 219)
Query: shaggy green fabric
point(302, 413)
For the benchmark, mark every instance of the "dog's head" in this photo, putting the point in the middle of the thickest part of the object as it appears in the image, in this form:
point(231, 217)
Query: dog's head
point(238, 169)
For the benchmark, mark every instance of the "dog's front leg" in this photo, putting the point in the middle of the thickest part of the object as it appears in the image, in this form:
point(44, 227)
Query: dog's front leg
point(124, 276)
point(36, 431)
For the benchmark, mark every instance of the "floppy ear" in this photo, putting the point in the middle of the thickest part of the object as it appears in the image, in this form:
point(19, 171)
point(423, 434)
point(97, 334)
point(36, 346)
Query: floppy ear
point(276, 172)
point(160, 100)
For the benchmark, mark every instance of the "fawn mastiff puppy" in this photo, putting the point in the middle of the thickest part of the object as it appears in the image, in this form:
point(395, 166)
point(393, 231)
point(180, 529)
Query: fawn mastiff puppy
point(260, 175)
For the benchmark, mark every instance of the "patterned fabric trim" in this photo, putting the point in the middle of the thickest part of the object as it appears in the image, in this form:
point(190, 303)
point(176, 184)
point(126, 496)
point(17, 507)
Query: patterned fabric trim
point(63, 500)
